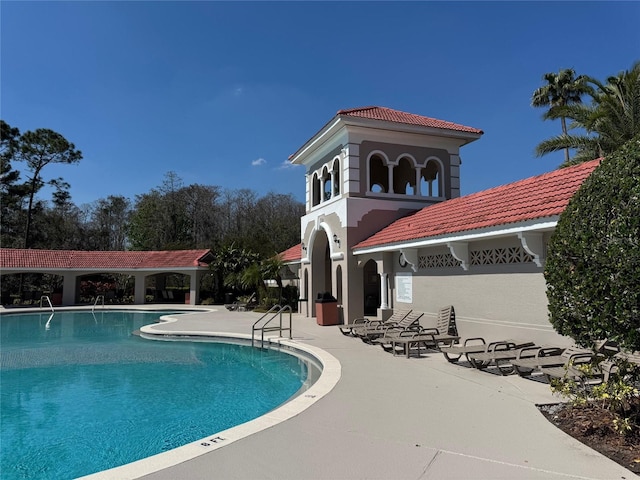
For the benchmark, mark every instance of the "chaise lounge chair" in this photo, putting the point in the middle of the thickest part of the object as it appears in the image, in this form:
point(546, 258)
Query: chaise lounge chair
point(575, 361)
point(409, 323)
point(239, 306)
point(553, 361)
point(471, 345)
point(620, 364)
point(529, 359)
point(499, 354)
point(533, 360)
point(445, 332)
point(363, 323)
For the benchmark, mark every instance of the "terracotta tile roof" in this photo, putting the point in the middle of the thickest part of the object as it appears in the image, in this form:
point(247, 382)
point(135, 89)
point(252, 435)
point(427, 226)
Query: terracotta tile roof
point(12, 258)
point(396, 116)
point(537, 197)
point(292, 254)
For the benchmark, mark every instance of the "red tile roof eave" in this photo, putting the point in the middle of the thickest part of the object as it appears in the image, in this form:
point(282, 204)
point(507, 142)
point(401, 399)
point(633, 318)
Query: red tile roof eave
point(291, 255)
point(487, 233)
point(538, 197)
point(399, 117)
point(344, 114)
point(467, 137)
point(101, 261)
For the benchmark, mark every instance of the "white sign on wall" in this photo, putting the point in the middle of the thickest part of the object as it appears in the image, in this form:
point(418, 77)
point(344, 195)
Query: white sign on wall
point(404, 287)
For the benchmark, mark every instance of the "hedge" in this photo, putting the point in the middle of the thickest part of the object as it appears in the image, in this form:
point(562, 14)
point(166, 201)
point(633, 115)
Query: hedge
point(593, 259)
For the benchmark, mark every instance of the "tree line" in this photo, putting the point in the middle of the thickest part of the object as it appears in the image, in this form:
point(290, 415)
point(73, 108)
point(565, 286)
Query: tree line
point(243, 230)
point(169, 217)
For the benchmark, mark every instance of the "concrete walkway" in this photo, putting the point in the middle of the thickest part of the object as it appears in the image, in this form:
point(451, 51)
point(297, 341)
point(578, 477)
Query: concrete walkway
point(397, 418)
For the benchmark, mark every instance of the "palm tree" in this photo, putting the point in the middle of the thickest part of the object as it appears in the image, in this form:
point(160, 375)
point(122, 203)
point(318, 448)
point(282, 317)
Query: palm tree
point(562, 89)
point(258, 274)
point(612, 118)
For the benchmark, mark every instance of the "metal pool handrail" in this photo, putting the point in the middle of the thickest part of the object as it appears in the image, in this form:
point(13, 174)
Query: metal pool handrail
point(45, 297)
point(99, 297)
point(275, 311)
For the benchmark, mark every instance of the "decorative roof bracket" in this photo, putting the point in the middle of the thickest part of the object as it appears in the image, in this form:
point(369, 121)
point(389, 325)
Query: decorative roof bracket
point(460, 251)
point(409, 256)
point(533, 244)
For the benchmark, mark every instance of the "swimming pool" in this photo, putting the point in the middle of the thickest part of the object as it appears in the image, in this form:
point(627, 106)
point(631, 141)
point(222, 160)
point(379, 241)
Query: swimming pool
point(81, 394)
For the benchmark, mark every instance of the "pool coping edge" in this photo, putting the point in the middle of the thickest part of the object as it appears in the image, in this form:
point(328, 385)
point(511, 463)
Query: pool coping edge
point(328, 379)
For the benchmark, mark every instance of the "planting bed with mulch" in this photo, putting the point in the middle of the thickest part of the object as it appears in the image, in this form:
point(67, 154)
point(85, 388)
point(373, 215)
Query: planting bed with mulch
point(593, 426)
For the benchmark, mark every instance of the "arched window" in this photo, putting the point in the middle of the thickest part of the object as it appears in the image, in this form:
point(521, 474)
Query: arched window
point(315, 190)
point(404, 177)
point(326, 184)
point(378, 175)
point(430, 179)
point(336, 177)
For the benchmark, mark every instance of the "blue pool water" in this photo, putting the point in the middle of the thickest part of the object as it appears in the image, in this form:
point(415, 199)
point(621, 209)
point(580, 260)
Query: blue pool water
point(80, 393)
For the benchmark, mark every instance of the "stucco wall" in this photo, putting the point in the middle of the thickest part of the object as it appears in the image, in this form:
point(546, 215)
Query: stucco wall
point(492, 306)
point(501, 295)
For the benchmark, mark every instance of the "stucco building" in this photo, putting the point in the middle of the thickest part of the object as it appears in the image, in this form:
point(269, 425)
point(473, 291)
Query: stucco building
point(385, 226)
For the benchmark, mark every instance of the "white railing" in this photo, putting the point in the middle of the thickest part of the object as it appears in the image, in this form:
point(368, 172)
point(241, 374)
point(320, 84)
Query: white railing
point(274, 312)
point(98, 298)
point(45, 297)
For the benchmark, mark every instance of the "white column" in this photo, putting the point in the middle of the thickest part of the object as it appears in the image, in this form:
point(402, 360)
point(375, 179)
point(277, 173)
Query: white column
point(390, 180)
point(139, 289)
point(69, 288)
point(193, 288)
point(384, 300)
point(418, 191)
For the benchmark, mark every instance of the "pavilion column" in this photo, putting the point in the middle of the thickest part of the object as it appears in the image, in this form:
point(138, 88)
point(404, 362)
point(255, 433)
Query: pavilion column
point(139, 288)
point(390, 179)
point(193, 287)
point(69, 288)
point(384, 297)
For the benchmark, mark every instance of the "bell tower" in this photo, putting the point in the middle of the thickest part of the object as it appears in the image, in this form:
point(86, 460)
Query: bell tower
point(364, 169)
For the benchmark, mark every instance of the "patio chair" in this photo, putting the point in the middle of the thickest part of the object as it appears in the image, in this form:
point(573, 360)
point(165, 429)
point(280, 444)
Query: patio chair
point(529, 359)
point(445, 332)
point(610, 367)
point(410, 322)
point(499, 354)
point(550, 359)
point(573, 367)
point(364, 322)
point(241, 306)
point(471, 345)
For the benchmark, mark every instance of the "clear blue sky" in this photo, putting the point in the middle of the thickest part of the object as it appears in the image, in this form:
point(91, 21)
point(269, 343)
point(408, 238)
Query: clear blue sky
point(223, 92)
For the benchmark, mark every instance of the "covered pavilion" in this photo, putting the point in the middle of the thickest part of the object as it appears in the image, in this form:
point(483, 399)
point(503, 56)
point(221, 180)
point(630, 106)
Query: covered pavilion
point(72, 265)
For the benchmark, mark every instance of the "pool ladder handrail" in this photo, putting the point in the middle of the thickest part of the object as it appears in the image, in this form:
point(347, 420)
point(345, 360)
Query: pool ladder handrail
point(98, 297)
point(276, 312)
point(46, 297)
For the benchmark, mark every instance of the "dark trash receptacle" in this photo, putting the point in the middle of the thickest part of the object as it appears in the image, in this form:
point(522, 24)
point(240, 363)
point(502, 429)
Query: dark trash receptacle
point(228, 298)
point(326, 309)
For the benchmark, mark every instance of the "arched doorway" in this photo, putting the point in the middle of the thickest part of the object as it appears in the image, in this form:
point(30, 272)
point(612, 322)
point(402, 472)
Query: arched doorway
point(115, 288)
point(371, 284)
point(321, 279)
point(167, 287)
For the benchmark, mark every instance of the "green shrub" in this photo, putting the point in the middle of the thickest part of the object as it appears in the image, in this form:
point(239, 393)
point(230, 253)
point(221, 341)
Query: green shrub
point(593, 260)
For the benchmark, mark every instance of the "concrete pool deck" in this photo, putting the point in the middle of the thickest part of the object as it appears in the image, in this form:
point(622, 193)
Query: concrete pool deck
point(395, 418)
